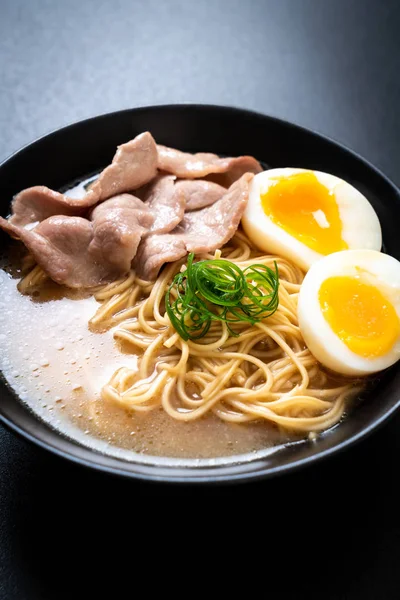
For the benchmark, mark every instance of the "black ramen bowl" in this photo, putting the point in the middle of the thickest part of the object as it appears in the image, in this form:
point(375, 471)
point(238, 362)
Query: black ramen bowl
point(80, 149)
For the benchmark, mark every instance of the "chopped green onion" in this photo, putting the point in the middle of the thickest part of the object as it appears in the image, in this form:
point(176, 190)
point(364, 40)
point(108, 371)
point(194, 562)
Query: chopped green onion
point(218, 290)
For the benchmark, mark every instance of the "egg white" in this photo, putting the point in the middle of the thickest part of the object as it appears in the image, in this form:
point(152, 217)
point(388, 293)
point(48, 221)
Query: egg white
point(360, 224)
point(378, 269)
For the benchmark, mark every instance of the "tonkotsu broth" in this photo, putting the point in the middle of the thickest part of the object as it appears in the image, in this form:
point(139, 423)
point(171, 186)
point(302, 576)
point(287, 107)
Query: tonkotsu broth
point(57, 366)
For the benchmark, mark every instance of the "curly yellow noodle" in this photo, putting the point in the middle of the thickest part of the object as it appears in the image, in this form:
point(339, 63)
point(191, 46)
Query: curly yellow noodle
point(32, 280)
point(266, 373)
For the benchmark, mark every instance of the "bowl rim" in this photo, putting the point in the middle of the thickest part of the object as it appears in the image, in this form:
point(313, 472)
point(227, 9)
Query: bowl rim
point(187, 474)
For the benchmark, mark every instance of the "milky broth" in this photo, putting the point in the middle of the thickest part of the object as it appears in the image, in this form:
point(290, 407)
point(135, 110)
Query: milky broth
point(57, 366)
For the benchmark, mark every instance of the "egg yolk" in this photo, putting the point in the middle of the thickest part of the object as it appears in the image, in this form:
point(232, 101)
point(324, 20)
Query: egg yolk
point(360, 315)
point(307, 210)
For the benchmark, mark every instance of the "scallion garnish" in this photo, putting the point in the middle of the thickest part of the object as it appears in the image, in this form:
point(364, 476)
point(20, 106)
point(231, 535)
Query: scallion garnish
point(218, 290)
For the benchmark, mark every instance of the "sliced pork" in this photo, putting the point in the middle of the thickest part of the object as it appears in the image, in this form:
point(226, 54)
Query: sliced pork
point(35, 204)
point(183, 203)
point(201, 231)
point(134, 164)
point(202, 164)
point(118, 226)
point(166, 202)
point(155, 251)
point(199, 193)
point(76, 252)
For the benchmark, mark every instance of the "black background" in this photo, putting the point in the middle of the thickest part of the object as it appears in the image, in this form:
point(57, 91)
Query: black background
point(331, 65)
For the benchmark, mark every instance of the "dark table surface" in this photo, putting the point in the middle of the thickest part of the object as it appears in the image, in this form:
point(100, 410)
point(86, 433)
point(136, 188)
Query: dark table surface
point(331, 65)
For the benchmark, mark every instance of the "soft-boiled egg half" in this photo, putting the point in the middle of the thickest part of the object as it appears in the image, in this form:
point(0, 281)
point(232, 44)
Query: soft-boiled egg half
point(304, 215)
point(349, 311)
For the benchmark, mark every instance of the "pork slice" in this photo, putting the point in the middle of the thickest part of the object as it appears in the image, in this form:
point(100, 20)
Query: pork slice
point(211, 227)
point(118, 226)
point(202, 164)
point(79, 253)
point(121, 202)
point(166, 202)
point(134, 164)
point(201, 231)
point(60, 246)
point(156, 250)
point(35, 204)
point(199, 193)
